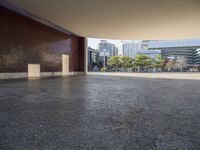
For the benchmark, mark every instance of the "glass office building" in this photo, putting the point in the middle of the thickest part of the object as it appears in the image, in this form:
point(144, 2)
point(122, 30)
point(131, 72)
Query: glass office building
point(197, 57)
point(174, 49)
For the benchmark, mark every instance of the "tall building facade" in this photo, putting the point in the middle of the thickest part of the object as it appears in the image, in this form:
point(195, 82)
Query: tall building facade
point(93, 58)
point(106, 51)
point(151, 53)
point(93, 54)
point(130, 49)
point(197, 57)
point(145, 44)
point(177, 53)
point(175, 49)
point(108, 48)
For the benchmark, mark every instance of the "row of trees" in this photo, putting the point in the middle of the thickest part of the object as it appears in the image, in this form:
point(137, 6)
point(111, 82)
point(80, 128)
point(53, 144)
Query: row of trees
point(140, 61)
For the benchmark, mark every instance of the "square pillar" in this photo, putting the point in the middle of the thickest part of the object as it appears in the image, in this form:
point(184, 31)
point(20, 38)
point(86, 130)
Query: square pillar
point(34, 70)
point(86, 55)
point(65, 65)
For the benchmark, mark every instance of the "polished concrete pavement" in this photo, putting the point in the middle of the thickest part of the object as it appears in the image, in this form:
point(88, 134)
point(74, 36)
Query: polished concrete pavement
point(100, 112)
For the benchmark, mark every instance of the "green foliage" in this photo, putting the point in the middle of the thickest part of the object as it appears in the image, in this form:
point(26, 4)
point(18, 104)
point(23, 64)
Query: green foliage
point(104, 69)
point(127, 62)
point(159, 62)
point(198, 68)
point(142, 61)
point(114, 62)
point(181, 62)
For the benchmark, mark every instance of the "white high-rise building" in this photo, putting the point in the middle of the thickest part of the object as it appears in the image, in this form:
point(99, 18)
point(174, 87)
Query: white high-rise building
point(108, 48)
point(130, 48)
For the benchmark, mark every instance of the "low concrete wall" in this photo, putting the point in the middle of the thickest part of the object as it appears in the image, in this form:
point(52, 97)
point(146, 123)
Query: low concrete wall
point(50, 74)
point(173, 75)
point(13, 75)
point(42, 75)
point(76, 73)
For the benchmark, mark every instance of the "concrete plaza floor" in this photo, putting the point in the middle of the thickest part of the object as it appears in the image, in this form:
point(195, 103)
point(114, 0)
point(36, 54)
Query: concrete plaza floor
point(100, 112)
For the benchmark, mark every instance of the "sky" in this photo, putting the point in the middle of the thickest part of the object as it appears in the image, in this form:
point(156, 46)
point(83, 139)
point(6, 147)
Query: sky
point(93, 43)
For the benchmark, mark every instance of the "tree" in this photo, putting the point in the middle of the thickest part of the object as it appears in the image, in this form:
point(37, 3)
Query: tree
point(170, 63)
point(198, 68)
point(142, 61)
point(104, 69)
point(127, 62)
point(115, 62)
point(181, 63)
point(158, 62)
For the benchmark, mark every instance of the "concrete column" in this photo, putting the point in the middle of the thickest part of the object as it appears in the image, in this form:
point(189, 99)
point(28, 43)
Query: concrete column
point(33, 71)
point(65, 65)
point(86, 55)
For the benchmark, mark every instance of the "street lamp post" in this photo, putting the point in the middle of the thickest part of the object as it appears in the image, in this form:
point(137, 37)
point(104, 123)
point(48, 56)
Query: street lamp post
point(104, 57)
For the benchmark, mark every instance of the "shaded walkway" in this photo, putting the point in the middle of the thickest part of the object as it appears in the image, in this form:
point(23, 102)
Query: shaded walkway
point(96, 112)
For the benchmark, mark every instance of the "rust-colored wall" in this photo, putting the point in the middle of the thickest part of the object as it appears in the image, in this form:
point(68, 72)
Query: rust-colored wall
point(23, 41)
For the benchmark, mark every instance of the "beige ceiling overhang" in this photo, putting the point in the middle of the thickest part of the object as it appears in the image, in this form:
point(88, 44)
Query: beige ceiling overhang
point(121, 19)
